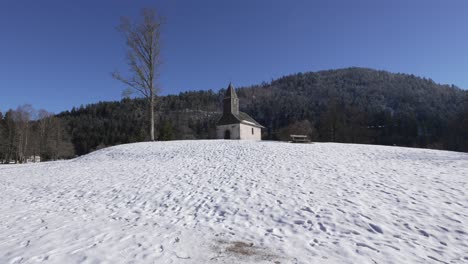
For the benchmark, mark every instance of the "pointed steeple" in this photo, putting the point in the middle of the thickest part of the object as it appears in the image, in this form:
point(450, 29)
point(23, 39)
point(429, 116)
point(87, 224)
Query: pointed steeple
point(230, 101)
point(230, 92)
point(232, 115)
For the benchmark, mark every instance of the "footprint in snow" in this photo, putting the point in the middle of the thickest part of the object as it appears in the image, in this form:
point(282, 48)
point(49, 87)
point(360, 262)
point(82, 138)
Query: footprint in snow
point(299, 222)
point(376, 228)
point(322, 227)
point(159, 251)
point(424, 233)
point(366, 246)
point(25, 243)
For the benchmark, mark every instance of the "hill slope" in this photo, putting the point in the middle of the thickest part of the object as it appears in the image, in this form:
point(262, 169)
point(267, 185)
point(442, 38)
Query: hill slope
point(353, 105)
point(238, 202)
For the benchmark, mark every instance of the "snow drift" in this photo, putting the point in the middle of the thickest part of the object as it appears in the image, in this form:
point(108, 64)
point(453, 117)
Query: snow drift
point(238, 202)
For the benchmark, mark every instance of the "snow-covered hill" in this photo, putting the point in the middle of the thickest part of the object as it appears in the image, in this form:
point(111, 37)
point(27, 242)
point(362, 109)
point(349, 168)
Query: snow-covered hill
point(238, 202)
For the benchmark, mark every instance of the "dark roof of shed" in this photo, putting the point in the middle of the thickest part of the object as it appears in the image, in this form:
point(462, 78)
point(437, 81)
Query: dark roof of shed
point(232, 118)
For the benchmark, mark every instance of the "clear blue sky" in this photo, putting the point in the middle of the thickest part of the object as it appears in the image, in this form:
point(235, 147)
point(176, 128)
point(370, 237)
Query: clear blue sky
point(56, 54)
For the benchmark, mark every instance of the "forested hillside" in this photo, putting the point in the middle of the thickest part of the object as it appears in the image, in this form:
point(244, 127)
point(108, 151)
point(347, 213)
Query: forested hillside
point(352, 105)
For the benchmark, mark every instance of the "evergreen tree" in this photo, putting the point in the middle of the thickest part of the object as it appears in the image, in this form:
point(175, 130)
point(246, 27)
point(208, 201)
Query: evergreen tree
point(166, 132)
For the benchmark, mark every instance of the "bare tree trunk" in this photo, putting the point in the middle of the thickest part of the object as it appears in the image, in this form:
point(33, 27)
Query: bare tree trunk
point(57, 141)
point(19, 146)
point(152, 116)
point(11, 142)
point(26, 137)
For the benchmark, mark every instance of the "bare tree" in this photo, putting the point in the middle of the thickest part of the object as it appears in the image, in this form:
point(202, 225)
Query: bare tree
point(44, 124)
point(143, 56)
point(3, 139)
point(22, 117)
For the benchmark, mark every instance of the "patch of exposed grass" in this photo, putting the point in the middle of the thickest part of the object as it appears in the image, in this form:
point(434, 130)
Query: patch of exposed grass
point(241, 250)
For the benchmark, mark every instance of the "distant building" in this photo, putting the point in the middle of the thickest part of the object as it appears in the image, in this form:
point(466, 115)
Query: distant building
point(235, 124)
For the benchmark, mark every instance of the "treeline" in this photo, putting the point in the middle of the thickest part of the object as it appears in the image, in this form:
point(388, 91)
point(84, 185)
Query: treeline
point(27, 135)
point(357, 105)
point(353, 105)
point(189, 115)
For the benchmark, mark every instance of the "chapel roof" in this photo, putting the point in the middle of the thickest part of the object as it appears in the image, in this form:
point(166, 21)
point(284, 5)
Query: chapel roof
point(242, 117)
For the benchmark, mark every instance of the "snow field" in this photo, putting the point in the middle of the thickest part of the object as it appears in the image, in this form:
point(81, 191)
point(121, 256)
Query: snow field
point(238, 202)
